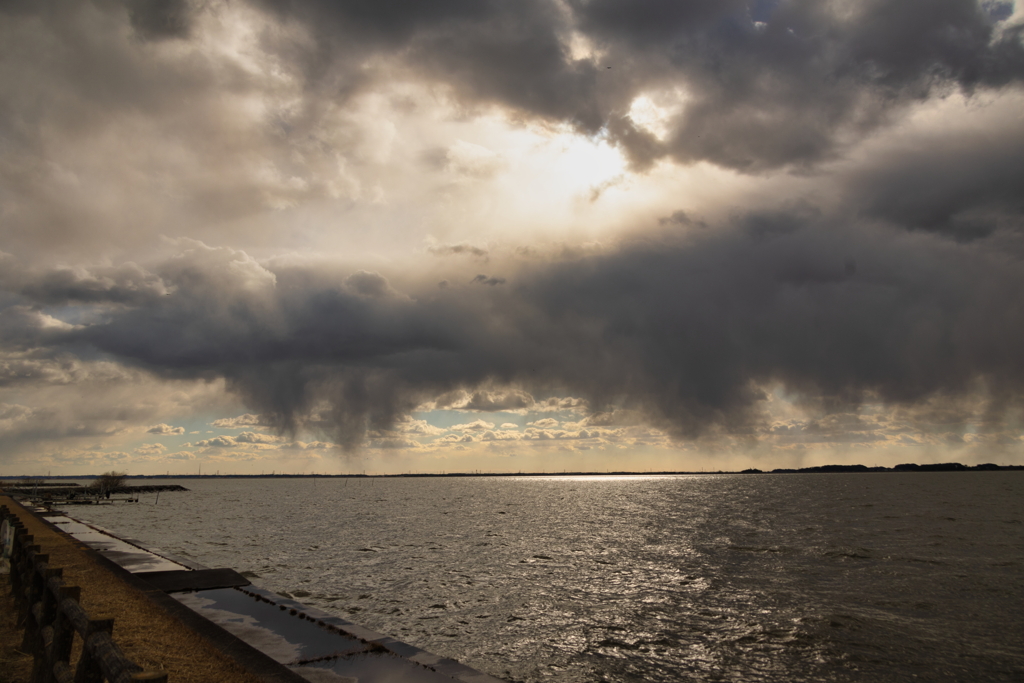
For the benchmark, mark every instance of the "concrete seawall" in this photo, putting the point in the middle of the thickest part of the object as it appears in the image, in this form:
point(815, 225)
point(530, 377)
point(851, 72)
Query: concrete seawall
point(149, 630)
point(201, 624)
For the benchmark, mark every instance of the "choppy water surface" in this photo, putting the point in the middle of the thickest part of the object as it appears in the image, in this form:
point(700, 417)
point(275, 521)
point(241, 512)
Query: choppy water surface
point(866, 577)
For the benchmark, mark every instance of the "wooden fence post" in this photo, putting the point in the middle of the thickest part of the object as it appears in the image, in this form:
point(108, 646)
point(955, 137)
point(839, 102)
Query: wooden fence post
point(26, 551)
point(44, 612)
point(51, 615)
point(88, 666)
point(63, 633)
point(150, 676)
point(115, 666)
point(34, 595)
point(20, 534)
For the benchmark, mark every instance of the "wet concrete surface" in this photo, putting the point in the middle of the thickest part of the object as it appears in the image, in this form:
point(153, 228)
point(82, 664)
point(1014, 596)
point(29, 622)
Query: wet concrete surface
point(318, 646)
point(132, 557)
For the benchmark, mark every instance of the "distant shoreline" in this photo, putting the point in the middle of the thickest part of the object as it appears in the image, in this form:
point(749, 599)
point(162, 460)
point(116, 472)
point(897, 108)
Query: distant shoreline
point(821, 469)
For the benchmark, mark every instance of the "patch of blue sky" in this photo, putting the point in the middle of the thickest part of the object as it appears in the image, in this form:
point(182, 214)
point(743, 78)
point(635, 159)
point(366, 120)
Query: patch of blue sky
point(202, 424)
point(997, 10)
point(762, 10)
point(77, 314)
point(446, 419)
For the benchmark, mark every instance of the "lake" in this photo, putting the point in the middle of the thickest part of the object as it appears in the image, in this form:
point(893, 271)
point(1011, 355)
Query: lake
point(799, 577)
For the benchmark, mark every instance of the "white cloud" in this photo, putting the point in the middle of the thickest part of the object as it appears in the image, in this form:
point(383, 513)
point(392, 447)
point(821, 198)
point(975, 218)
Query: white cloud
point(475, 426)
point(165, 430)
point(409, 425)
point(501, 435)
point(180, 455)
point(455, 438)
point(560, 404)
point(222, 441)
point(256, 437)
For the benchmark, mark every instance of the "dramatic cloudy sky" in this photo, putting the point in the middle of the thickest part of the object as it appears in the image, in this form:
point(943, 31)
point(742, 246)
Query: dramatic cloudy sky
point(393, 235)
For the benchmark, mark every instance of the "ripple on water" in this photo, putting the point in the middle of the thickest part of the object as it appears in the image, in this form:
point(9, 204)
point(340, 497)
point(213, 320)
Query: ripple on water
point(798, 578)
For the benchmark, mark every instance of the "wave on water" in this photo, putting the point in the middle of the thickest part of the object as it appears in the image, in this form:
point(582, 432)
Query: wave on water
point(839, 577)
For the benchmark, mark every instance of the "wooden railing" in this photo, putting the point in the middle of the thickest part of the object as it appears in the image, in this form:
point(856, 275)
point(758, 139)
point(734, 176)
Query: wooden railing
point(52, 616)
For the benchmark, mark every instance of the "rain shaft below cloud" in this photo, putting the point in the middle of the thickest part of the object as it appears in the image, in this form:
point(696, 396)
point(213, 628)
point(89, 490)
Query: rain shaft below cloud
point(687, 328)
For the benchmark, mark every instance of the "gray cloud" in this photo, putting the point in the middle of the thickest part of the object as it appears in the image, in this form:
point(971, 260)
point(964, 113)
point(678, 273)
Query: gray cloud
point(156, 19)
point(767, 83)
point(125, 283)
point(777, 83)
point(21, 370)
point(369, 284)
point(23, 327)
point(457, 250)
point(100, 113)
point(498, 51)
point(491, 401)
point(685, 329)
point(967, 185)
point(108, 135)
point(867, 298)
point(482, 279)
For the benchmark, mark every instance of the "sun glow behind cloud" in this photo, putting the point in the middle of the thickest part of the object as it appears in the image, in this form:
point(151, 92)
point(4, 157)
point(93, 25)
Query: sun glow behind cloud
point(655, 111)
point(680, 205)
point(581, 163)
point(421, 169)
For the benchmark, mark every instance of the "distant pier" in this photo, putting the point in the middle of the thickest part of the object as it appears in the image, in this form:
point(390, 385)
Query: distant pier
point(74, 494)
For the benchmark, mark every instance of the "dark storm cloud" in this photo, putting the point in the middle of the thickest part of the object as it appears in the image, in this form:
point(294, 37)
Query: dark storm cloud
point(26, 327)
point(457, 250)
point(767, 83)
point(967, 185)
point(685, 329)
point(509, 52)
point(832, 313)
point(517, 58)
point(392, 21)
point(93, 114)
point(126, 283)
point(782, 83)
point(122, 104)
point(488, 401)
point(157, 19)
point(653, 25)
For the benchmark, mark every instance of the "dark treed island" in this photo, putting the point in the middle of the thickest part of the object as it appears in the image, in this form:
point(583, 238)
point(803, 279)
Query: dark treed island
point(28, 483)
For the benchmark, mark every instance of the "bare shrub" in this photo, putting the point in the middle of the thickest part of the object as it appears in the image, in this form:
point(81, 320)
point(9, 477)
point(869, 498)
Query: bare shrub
point(109, 481)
